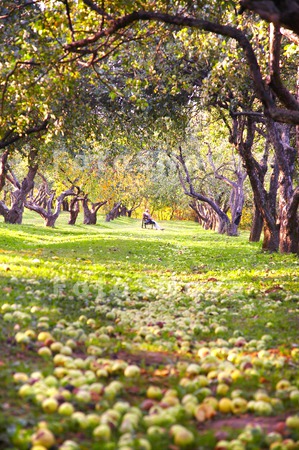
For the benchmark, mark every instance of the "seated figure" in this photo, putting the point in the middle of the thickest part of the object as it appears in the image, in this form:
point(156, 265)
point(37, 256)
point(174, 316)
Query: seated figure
point(148, 220)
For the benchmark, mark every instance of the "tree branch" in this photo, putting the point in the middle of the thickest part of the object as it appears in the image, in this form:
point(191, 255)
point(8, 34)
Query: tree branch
point(278, 12)
point(201, 24)
point(94, 7)
point(275, 81)
point(12, 137)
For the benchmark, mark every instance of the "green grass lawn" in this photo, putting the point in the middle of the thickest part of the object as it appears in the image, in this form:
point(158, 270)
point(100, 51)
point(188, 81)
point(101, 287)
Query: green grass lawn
point(206, 319)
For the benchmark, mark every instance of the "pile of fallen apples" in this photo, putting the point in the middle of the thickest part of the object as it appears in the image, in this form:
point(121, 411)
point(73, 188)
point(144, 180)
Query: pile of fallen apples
point(111, 402)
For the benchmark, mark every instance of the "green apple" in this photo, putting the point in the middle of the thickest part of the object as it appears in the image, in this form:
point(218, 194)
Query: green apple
point(154, 392)
point(97, 387)
point(283, 384)
point(59, 359)
point(273, 437)
point(236, 393)
point(20, 377)
point(69, 445)
point(193, 369)
point(56, 347)
point(294, 396)
point(237, 444)
point(181, 435)
point(43, 437)
point(118, 366)
point(83, 396)
point(143, 444)
point(26, 390)
point(93, 420)
point(102, 433)
point(66, 409)
point(66, 350)
point(51, 381)
point(293, 422)
point(239, 405)
point(132, 371)
point(222, 389)
point(44, 335)
point(223, 445)
point(121, 406)
point(80, 418)
point(50, 405)
point(263, 408)
point(156, 431)
point(44, 351)
point(22, 338)
point(80, 363)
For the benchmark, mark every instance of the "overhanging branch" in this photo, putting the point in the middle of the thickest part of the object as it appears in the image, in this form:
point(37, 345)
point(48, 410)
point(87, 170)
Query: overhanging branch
point(12, 137)
point(280, 115)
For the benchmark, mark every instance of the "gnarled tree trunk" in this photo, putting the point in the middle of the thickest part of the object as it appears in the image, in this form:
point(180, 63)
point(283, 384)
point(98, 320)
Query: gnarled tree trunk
point(90, 214)
point(222, 222)
point(14, 215)
point(47, 214)
point(114, 213)
point(73, 210)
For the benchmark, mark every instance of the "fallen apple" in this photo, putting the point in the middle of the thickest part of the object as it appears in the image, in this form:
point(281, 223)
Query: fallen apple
point(66, 409)
point(50, 405)
point(102, 433)
point(154, 392)
point(225, 405)
point(239, 405)
point(43, 437)
point(292, 422)
point(132, 371)
point(181, 435)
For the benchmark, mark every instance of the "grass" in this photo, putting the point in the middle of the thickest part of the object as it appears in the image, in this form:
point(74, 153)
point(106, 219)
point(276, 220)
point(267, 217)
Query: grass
point(158, 299)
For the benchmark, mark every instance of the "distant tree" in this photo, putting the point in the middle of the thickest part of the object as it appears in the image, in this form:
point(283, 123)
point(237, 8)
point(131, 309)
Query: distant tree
point(14, 213)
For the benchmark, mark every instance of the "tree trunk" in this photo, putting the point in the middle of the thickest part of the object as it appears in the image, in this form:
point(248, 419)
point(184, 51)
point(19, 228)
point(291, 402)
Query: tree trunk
point(289, 226)
point(222, 222)
point(256, 226)
point(74, 211)
point(289, 237)
point(47, 214)
point(223, 225)
point(271, 239)
point(65, 205)
point(73, 217)
point(15, 214)
point(50, 220)
point(3, 171)
point(90, 214)
point(236, 201)
point(256, 176)
point(123, 211)
point(288, 203)
point(90, 217)
point(114, 213)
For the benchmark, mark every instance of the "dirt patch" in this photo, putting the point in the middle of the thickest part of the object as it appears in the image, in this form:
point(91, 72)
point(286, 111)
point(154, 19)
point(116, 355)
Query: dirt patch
point(147, 358)
point(268, 424)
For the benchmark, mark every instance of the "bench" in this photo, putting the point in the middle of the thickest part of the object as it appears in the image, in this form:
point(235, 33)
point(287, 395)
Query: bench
point(146, 222)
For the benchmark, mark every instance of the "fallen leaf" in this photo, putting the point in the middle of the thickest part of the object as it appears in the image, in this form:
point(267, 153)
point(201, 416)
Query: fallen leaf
point(161, 372)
